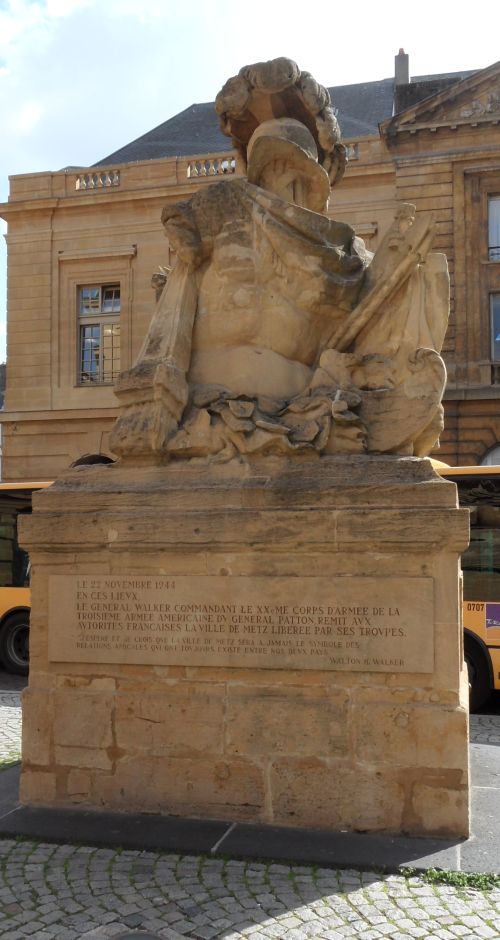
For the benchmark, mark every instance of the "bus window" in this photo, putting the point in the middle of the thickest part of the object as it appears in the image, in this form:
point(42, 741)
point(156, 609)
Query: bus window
point(15, 600)
point(8, 542)
point(479, 491)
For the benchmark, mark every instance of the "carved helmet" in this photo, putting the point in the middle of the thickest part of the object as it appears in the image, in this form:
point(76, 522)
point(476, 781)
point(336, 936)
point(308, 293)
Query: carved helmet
point(274, 90)
point(290, 140)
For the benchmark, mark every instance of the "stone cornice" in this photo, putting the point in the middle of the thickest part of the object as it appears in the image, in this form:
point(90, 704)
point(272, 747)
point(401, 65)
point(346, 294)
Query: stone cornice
point(117, 251)
point(44, 414)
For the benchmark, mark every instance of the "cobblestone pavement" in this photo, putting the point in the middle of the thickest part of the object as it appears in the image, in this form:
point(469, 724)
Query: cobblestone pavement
point(10, 726)
point(485, 729)
point(62, 892)
point(66, 892)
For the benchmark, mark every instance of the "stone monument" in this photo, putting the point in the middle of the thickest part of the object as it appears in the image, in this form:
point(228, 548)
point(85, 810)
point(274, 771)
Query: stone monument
point(254, 614)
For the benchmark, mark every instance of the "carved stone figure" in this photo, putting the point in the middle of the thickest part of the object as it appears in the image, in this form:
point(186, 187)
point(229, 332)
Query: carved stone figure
point(277, 332)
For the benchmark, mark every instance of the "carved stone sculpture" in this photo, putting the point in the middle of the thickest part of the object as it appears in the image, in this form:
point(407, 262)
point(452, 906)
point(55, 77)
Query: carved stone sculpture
point(277, 332)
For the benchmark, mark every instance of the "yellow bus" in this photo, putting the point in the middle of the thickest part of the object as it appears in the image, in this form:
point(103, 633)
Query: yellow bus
point(15, 601)
point(479, 491)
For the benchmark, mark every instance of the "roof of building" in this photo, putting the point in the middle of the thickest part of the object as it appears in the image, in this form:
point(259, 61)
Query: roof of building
point(424, 86)
point(194, 130)
point(360, 109)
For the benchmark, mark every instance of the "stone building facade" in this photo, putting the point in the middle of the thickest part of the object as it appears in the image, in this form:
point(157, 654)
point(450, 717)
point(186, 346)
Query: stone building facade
point(84, 244)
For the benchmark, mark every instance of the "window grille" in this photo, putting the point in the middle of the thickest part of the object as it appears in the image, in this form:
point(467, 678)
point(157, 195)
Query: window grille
point(494, 228)
point(98, 334)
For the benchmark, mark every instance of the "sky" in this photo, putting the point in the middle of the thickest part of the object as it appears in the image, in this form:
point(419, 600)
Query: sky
point(81, 78)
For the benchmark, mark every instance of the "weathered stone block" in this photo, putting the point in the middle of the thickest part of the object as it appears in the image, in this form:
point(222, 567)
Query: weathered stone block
point(183, 719)
point(259, 721)
point(78, 786)
point(334, 795)
point(37, 787)
point(84, 757)
point(82, 719)
point(439, 810)
point(37, 727)
point(410, 735)
point(220, 789)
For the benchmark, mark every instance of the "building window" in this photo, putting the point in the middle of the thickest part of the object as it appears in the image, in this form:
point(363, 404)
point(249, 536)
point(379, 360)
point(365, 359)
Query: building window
point(492, 458)
point(495, 326)
point(99, 334)
point(494, 228)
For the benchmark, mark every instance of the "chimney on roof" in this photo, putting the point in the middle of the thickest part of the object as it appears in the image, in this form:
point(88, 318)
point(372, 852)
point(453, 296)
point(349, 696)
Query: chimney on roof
point(401, 68)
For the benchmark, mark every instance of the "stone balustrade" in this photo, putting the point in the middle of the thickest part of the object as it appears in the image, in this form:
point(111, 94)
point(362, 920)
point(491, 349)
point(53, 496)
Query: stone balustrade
point(100, 179)
point(211, 166)
point(195, 169)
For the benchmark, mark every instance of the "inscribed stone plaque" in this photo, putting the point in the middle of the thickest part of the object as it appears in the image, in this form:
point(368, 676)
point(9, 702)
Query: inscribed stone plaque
point(370, 624)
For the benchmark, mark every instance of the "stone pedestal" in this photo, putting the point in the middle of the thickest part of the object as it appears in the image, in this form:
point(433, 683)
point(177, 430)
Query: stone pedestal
point(277, 642)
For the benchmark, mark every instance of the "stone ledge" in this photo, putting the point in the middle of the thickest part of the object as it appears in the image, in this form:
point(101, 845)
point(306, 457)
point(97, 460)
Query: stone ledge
point(371, 529)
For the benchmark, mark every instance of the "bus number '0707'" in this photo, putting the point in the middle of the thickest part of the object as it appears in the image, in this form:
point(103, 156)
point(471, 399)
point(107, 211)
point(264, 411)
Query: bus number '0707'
point(474, 606)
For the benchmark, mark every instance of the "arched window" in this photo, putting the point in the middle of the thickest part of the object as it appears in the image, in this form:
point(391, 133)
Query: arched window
point(492, 458)
point(88, 459)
